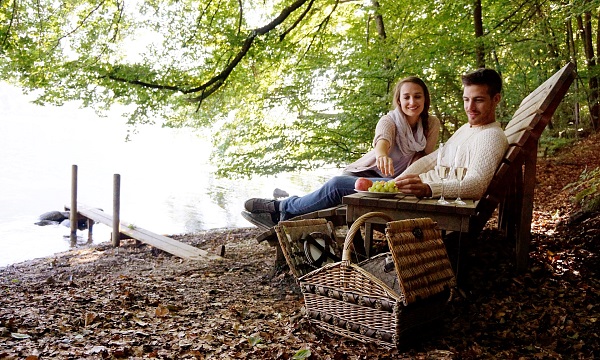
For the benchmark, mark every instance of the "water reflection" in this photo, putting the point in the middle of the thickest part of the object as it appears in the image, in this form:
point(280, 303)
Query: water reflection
point(161, 189)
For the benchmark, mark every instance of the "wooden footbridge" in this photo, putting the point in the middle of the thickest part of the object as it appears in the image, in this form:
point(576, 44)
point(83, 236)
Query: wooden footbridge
point(125, 230)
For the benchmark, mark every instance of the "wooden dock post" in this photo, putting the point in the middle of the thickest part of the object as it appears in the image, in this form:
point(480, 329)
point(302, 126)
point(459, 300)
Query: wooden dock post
point(73, 213)
point(116, 232)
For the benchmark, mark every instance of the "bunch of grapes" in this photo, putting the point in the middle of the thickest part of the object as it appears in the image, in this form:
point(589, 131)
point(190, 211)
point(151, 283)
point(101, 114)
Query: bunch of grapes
point(384, 186)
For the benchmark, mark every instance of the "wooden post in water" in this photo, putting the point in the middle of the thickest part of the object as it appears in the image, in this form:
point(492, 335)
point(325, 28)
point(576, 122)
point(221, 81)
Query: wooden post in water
point(73, 213)
point(116, 234)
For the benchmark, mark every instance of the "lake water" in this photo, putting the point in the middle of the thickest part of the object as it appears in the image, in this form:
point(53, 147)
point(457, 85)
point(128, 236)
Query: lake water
point(167, 185)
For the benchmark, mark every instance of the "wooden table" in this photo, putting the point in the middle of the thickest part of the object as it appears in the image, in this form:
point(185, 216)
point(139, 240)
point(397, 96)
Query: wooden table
point(449, 217)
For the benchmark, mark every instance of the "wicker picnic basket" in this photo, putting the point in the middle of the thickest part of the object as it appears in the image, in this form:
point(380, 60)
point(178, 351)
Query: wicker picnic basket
point(381, 298)
point(295, 238)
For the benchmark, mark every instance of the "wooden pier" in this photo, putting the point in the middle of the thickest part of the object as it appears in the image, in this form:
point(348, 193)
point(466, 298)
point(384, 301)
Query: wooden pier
point(182, 250)
point(122, 229)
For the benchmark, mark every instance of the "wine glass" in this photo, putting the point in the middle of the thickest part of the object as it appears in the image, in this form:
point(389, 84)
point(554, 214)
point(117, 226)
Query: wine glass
point(461, 161)
point(443, 170)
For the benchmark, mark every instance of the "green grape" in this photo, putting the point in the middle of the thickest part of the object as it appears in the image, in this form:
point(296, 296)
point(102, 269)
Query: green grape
point(384, 186)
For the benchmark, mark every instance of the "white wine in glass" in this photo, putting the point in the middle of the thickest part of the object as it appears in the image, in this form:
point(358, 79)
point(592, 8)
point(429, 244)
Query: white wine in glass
point(442, 172)
point(460, 173)
point(461, 161)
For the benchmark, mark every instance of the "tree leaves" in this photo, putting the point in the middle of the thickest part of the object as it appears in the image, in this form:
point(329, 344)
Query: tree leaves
point(318, 73)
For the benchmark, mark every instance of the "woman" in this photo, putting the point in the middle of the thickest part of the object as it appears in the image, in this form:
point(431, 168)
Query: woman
point(402, 136)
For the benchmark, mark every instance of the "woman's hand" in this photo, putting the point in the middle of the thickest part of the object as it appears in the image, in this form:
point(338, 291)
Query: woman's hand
point(412, 184)
point(385, 164)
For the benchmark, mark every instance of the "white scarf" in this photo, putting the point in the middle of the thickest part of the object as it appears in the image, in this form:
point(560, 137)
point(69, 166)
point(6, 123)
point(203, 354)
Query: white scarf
point(407, 140)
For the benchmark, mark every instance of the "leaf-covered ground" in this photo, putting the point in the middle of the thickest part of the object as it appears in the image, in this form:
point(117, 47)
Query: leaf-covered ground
point(135, 302)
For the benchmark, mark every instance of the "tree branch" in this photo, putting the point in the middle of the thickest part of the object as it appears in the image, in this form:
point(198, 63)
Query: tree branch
point(218, 80)
point(321, 26)
point(288, 30)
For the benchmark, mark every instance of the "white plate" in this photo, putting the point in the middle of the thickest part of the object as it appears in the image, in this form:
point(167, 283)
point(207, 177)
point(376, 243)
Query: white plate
point(377, 194)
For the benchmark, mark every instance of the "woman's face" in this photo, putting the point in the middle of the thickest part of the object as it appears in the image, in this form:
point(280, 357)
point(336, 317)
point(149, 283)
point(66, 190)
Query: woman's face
point(412, 100)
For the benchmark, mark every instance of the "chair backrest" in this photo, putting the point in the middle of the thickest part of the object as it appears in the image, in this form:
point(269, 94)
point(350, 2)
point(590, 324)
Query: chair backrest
point(523, 133)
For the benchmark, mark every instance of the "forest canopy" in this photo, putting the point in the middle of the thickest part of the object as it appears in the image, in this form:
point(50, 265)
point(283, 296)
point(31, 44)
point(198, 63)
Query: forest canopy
point(289, 85)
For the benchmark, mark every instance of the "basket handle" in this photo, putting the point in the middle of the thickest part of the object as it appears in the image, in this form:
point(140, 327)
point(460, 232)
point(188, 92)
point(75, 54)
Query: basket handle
point(346, 259)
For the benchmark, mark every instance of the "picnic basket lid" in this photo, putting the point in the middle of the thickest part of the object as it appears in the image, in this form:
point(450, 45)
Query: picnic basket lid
point(420, 258)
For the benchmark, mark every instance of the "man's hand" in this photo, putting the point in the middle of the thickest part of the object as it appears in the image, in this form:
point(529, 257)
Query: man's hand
point(412, 184)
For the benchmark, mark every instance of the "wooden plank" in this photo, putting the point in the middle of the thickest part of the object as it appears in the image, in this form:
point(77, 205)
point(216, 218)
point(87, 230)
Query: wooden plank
point(557, 78)
point(446, 221)
point(335, 214)
point(524, 231)
point(526, 123)
point(564, 78)
point(512, 153)
point(519, 138)
point(532, 105)
point(543, 99)
point(161, 242)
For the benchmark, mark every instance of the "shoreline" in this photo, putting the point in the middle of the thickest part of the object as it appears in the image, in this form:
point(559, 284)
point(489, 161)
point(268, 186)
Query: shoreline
point(107, 242)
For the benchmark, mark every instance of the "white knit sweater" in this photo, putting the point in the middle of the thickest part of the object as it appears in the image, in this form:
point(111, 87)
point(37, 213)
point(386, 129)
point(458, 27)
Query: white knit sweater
point(486, 146)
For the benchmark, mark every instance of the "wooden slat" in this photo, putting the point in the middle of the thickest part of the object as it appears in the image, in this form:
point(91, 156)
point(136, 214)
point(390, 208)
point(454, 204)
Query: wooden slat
point(512, 153)
point(534, 103)
point(504, 167)
point(526, 123)
point(563, 73)
point(161, 242)
point(335, 214)
point(541, 98)
point(519, 138)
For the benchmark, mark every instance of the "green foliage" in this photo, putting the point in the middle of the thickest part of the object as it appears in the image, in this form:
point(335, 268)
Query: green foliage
point(551, 145)
point(302, 354)
point(586, 190)
point(254, 340)
point(282, 85)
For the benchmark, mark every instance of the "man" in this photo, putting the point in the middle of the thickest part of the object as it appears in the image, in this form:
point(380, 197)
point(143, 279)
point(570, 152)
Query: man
point(480, 144)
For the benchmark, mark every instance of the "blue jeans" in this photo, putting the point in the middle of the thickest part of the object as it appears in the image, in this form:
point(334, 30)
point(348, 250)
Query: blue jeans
point(328, 195)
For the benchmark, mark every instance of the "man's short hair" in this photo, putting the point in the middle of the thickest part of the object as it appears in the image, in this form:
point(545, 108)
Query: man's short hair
point(484, 76)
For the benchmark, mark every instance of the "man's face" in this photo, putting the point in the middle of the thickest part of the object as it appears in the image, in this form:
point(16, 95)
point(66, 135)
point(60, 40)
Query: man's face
point(479, 106)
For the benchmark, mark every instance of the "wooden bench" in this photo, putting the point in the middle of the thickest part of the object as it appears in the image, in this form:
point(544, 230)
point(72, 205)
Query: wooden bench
point(512, 187)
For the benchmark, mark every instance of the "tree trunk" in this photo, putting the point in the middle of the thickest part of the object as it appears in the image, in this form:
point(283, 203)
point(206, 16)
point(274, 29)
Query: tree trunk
point(478, 22)
point(573, 56)
point(379, 21)
point(585, 27)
